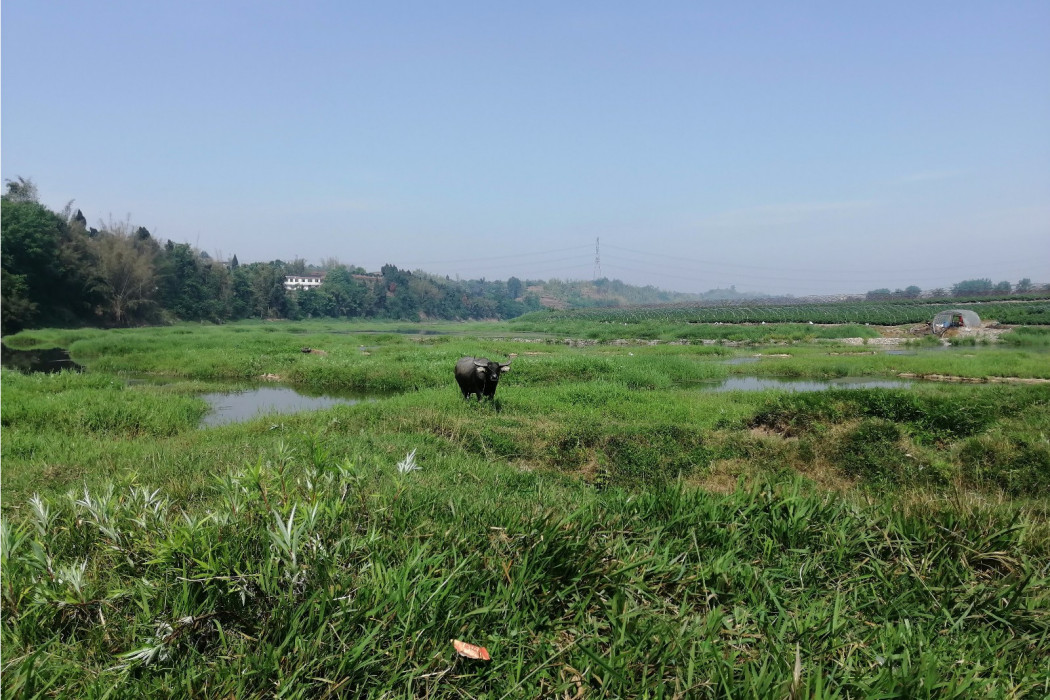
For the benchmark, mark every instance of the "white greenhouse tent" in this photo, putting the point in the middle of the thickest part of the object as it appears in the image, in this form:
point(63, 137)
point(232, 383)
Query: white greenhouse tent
point(955, 318)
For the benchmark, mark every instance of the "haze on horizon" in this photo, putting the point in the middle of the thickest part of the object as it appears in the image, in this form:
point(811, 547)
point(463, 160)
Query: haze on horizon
point(781, 148)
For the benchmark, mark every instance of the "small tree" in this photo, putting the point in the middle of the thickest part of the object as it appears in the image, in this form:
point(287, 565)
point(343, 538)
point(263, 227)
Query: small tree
point(1024, 286)
point(341, 294)
point(268, 297)
point(128, 277)
point(514, 287)
point(126, 266)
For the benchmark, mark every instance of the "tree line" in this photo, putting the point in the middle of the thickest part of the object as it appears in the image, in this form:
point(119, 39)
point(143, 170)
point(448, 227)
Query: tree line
point(58, 271)
point(967, 288)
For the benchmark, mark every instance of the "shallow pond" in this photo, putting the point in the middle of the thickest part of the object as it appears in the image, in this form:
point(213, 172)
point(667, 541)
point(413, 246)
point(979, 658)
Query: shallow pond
point(49, 360)
point(238, 406)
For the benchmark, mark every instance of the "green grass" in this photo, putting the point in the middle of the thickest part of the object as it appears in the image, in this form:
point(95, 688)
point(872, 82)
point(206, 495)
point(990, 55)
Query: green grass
point(1027, 337)
point(854, 361)
point(605, 528)
point(348, 577)
point(1026, 311)
point(985, 437)
point(670, 329)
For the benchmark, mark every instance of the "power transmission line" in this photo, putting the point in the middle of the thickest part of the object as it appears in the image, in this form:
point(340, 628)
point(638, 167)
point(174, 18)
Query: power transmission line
point(500, 257)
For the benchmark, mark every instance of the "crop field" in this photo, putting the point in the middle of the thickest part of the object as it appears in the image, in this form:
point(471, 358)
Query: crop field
point(1029, 312)
point(614, 524)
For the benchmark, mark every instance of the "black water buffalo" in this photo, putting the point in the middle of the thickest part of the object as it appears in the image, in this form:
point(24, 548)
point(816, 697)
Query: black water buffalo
point(477, 375)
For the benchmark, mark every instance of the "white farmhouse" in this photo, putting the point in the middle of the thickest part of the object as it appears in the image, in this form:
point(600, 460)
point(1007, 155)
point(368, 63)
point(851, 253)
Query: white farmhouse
point(303, 281)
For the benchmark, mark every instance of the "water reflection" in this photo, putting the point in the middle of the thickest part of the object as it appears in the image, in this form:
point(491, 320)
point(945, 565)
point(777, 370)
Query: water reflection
point(763, 384)
point(50, 360)
point(235, 407)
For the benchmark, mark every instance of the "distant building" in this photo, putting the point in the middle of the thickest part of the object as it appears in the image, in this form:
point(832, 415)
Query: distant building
point(303, 281)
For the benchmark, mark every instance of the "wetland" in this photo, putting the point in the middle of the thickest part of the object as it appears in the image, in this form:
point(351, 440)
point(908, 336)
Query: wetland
point(737, 502)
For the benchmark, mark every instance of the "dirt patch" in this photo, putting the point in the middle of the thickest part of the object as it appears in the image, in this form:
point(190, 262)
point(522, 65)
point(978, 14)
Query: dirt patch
point(723, 475)
point(590, 469)
point(62, 472)
point(874, 341)
point(907, 331)
point(546, 300)
point(826, 476)
point(765, 431)
point(270, 377)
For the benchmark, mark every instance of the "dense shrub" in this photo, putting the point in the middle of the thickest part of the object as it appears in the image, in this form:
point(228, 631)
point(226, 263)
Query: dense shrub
point(872, 451)
point(930, 417)
point(653, 454)
point(1019, 465)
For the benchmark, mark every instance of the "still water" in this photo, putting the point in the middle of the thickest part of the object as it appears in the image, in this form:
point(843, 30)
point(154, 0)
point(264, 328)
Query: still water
point(741, 360)
point(49, 360)
point(764, 383)
point(234, 407)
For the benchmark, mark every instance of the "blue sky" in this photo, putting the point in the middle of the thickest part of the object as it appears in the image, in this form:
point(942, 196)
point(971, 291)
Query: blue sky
point(808, 148)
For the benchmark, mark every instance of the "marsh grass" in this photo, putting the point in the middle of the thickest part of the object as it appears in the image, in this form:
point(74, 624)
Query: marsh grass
point(982, 363)
point(386, 362)
point(309, 577)
point(558, 525)
point(75, 403)
point(1027, 337)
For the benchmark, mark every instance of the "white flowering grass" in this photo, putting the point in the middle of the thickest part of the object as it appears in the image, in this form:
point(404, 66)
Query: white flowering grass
point(408, 464)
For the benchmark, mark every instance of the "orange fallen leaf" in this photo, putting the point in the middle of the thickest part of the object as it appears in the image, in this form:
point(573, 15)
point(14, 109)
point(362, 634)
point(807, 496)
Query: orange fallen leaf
point(471, 651)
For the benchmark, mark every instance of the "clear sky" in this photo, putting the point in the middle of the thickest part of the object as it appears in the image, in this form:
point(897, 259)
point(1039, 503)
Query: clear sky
point(800, 147)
